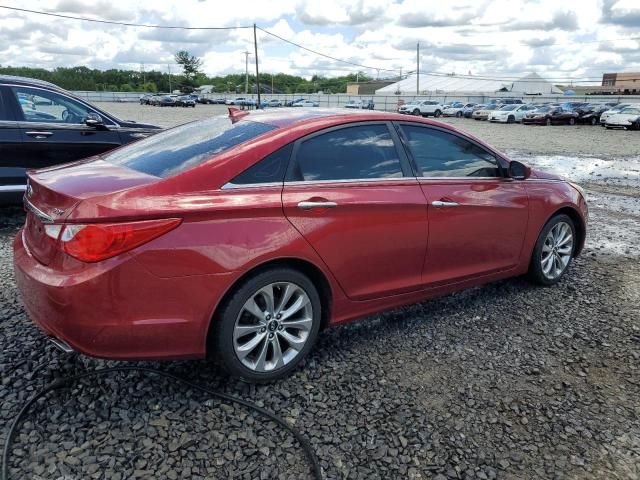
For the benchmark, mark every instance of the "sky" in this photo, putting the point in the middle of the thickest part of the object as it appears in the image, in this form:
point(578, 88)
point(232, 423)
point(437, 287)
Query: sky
point(576, 39)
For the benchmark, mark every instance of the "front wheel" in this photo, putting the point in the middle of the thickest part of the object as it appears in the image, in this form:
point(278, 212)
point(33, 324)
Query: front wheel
point(437, 113)
point(416, 112)
point(594, 121)
point(459, 114)
point(572, 121)
point(553, 250)
point(548, 122)
point(269, 324)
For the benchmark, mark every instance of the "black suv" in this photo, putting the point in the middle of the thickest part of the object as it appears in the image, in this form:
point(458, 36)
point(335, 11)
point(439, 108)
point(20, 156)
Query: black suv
point(43, 125)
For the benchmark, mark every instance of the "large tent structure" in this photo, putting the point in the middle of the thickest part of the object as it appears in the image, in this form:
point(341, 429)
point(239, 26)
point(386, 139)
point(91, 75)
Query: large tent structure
point(531, 84)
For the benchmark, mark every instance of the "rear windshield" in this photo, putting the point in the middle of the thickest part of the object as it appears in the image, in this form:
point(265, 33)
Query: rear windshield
point(178, 149)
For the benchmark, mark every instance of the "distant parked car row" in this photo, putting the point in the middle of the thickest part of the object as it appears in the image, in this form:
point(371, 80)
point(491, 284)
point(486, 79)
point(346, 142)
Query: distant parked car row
point(169, 100)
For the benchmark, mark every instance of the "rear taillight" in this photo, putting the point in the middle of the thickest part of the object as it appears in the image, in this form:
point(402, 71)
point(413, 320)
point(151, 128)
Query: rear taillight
point(99, 241)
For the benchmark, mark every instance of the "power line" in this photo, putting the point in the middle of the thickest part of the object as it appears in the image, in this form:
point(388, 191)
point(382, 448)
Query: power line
point(325, 55)
point(125, 24)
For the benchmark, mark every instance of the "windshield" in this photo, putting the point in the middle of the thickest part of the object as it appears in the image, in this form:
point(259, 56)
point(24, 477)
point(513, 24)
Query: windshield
point(631, 111)
point(508, 107)
point(544, 109)
point(178, 149)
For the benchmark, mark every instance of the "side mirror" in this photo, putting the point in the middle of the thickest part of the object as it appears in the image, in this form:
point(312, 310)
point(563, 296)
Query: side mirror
point(519, 171)
point(93, 120)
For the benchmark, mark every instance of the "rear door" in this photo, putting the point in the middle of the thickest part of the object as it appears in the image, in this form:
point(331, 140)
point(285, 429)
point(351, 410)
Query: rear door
point(350, 192)
point(12, 178)
point(477, 217)
point(53, 130)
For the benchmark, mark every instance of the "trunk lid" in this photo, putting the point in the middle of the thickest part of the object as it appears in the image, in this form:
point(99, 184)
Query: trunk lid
point(53, 193)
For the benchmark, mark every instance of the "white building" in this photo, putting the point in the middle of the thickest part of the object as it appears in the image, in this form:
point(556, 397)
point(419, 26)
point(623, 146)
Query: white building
point(531, 84)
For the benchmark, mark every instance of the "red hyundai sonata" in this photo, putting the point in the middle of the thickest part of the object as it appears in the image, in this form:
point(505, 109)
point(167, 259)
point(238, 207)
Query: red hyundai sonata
point(242, 236)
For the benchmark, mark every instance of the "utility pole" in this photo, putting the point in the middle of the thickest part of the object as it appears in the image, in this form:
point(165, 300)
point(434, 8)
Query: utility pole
point(246, 71)
point(357, 76)
point(272, 84)
point(170, 91)
point(418, 69)
point(255, 47)
point(400, 73)
point(144, 78)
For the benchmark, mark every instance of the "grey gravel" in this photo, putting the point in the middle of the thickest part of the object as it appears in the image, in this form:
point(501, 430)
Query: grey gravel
point(505, 381)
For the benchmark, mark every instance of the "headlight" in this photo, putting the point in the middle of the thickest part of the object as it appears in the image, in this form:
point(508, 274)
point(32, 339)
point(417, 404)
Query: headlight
point(578, 188)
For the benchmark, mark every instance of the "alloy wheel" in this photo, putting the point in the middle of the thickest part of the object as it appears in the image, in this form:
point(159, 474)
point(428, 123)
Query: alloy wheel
point(557, 250)
point(273, 326)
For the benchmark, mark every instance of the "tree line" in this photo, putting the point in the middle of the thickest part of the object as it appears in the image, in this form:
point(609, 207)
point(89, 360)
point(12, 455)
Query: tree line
point(84, 78)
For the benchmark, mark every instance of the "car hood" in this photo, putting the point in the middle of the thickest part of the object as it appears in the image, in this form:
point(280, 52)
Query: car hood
point(142, 126)
point(540, 174)
point(622, 118)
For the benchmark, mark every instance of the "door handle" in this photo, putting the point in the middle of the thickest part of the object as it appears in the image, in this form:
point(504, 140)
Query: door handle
point(309, 205)
point(441, 204)
point(39, 134)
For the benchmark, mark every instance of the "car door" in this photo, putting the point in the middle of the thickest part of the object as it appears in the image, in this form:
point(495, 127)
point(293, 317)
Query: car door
point(477, 217)
point(53, 130)
point(351, 193)
point(11, 170)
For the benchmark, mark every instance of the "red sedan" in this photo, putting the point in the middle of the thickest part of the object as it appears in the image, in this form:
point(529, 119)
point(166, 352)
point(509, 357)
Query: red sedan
point(241, 237)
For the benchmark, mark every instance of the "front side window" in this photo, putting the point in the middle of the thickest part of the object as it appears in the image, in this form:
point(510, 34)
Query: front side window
point(351, 153)
point(442, 154)
point(178, 149)
point(49, 107)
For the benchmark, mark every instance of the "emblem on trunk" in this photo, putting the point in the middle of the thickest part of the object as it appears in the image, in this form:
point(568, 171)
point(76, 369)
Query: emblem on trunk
point(57, 211)
point(29, 190)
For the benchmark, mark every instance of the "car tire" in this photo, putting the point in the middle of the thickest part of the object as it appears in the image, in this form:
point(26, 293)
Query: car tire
point(594, 121)
point(554, 241)
point(459, 114)
point(572, 121)
point(260, 361)
point(417, 112)
point(548, 122)
point(437, 113)
point(511, 119)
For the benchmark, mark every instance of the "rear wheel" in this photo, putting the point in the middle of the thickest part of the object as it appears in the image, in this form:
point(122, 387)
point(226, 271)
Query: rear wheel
point(594, 120)
point(459, 114)
point(268, 325)
point(511, 119)
point(416, 112)
point(548, 122)
point(553, 250)
point(437, 113)
point(572, 121)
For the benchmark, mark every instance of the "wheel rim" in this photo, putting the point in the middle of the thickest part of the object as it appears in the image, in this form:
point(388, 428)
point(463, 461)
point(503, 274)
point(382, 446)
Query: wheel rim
point(557, 250)
point(273, 326)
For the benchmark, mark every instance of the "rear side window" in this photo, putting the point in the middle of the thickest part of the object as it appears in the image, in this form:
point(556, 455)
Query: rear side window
point(178, 149)
point(442, 154)
point(4, 112)
point(270, 169)
point(351, 153)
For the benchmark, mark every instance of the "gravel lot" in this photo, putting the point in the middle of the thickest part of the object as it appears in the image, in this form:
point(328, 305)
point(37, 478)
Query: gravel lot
point(506, 381)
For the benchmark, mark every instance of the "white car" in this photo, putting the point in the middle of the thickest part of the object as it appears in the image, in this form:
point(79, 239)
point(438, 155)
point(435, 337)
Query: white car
point(510, 113)
point(457, 109)
point(424, 108)
point(627, 118)
point(306, 103)
point(236, 101)
point(617, 109)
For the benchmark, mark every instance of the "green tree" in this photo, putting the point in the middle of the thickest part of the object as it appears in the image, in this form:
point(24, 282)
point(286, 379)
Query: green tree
point(190, 65)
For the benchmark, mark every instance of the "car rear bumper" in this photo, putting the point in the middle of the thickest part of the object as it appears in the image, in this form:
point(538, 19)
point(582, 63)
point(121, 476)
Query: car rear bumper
point(534, 121)
point(117, 309)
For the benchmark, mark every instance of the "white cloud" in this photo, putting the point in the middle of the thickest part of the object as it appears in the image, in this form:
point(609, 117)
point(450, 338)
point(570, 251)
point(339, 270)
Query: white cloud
point(485, 37)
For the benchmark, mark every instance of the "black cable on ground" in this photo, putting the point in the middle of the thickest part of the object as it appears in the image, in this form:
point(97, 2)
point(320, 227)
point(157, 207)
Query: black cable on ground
point(67, 381)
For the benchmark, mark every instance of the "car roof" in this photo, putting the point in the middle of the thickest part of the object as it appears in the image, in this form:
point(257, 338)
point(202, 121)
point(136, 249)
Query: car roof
point(13, 79)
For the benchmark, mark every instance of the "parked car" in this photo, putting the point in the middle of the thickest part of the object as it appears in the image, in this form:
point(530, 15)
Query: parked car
point(306, 103)
point(167, 101)
point(185, 101)
point(274, 102)
point(361, 104)
point(145, 99)
point(628, 119)
point(617, 109)
point(590, 113)
point(289, 103)
point(483, 113)
point(468, 111)
point(298, 199)
point(55, 127)
point(236, 101)
point(510, 113)
point(550, 116)
point(457, 110)
point(423, 108)
point(505, 101)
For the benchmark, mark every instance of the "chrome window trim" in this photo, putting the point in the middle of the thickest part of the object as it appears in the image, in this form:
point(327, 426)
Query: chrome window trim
point(37, 212)
point(52, 90)
point(13, 188)
point(233, 186)
point(350, 180)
